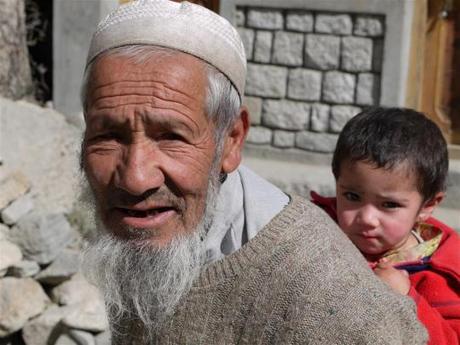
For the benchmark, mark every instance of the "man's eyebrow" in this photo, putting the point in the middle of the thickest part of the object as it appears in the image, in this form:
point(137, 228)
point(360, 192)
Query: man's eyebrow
point(104, 121)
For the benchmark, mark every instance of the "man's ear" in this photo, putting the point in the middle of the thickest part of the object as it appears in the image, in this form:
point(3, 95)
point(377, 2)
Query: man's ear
point(234, 141)
point(429, 206)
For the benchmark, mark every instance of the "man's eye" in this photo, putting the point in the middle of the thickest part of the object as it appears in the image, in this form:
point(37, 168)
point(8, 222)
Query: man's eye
point(108, 136)
point(171, 137)
point(350, 196)
point(391, 204)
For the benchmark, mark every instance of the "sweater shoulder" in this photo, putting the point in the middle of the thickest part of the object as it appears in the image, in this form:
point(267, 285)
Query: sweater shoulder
point(305, 274)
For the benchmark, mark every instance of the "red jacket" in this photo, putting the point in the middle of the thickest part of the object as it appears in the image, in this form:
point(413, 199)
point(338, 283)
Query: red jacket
point(435, 282)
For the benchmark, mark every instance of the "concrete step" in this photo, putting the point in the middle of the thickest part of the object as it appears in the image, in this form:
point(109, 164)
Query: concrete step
point(449, 216)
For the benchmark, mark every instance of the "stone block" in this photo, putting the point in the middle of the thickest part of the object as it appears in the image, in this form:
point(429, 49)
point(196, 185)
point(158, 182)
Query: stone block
point(259, 135)
point(340, 114)
point(299, 21)
point(18, 208)
point(319, 117)
point(103, 338)
point(44, 148)
point(42, 237)
point(87, 317)
point(339, 24)
point(369, 26)
point(288, 48)
point(322, 52)
point(285, 114)
point(357, 54)
point(23, 269)
point(283, 139)
point(254, 105)
point(317, 142)
point(62, 268)
point(377, 56)
point(82, 337)
point(88, 309)
point(44, 328)
point(77, 290)
point(65, 339)
point(4, 231)
point(240, 17)
point(368, 88)
point(10, 254)
point(266, 81)
point(4, 172)
point(265, 19)
point(20, 300)
point(247, 37)
point(263, 46)
point(75, 337)
point(304, 84)
point(339, 87)
point(12, 187)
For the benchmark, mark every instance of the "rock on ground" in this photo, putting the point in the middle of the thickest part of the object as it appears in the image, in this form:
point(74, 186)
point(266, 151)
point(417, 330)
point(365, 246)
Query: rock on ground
point(15, 309)
point(45, 150)
point(42, 237)
point(10, 254)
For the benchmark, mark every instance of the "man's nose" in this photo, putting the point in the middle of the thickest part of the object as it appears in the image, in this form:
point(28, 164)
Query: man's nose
point(139, 170)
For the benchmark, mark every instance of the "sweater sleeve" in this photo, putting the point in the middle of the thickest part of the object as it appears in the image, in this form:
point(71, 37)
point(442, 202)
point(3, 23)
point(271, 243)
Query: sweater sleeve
point(442, 329)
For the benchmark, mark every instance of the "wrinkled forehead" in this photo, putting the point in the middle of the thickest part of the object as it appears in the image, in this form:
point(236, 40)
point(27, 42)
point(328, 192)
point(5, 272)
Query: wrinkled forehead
point(173, 70)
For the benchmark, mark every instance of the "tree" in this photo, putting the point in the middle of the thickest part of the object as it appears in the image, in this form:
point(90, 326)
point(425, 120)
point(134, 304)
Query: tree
point(15, 75)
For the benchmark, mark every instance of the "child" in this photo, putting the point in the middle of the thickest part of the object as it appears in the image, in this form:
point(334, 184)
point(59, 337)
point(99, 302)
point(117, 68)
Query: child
point(390, 167)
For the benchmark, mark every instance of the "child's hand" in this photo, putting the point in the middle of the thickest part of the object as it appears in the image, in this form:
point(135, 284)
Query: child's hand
point(397, 279)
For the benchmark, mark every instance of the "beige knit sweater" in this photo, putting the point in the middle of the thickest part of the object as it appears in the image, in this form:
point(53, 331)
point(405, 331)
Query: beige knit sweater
point(299, 281)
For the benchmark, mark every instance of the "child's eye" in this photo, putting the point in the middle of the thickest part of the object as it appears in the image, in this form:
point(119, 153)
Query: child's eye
point(391, 204)
point(350, 196)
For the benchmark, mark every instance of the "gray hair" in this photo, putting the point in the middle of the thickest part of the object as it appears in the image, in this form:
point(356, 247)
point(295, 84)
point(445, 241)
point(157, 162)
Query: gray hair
point(222, 100)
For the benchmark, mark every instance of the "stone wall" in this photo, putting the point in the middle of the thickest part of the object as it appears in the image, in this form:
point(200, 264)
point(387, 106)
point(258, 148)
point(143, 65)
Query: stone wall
point(309, 72)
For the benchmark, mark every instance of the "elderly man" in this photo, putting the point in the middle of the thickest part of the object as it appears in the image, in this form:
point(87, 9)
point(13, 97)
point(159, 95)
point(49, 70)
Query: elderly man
point(194, 248)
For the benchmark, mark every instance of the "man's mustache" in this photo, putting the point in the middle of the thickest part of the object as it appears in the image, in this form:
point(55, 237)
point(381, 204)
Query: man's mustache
point(117, 197)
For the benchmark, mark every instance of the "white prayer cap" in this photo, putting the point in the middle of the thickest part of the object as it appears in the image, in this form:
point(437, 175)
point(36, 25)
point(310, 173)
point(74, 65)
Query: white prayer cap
point(187, 27)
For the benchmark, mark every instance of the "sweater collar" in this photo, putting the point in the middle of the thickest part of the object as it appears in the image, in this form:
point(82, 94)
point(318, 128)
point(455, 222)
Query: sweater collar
point(245, 204)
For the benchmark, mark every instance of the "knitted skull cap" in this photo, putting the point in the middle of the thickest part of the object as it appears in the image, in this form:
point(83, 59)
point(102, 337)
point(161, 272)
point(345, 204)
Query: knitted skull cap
point(183, 26)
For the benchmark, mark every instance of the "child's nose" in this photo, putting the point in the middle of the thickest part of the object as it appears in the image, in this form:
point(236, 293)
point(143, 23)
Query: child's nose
point(368, 216)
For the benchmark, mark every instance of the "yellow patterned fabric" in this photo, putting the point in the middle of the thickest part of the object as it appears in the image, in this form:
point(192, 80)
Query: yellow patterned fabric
point(431, 236)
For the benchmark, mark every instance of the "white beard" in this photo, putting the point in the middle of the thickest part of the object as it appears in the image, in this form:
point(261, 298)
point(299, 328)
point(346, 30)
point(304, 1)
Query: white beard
point(142, 284)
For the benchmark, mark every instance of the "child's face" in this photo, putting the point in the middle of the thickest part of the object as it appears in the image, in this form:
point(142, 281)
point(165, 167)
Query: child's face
point(377, 208)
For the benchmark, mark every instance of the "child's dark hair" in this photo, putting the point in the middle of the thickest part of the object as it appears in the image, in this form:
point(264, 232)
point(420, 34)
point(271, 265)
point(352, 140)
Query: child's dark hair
point(385, 137)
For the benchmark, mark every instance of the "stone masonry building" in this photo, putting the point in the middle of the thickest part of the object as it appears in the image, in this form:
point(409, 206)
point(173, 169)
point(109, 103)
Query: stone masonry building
point(308, 73)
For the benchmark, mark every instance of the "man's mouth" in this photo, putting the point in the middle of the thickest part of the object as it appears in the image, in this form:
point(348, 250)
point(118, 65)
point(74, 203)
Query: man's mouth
point(144, 213)
point(121, 218)
point(149, 218)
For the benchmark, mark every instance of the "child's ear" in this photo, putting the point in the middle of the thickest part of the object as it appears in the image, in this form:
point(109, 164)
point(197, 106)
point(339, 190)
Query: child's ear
point(429, 206)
